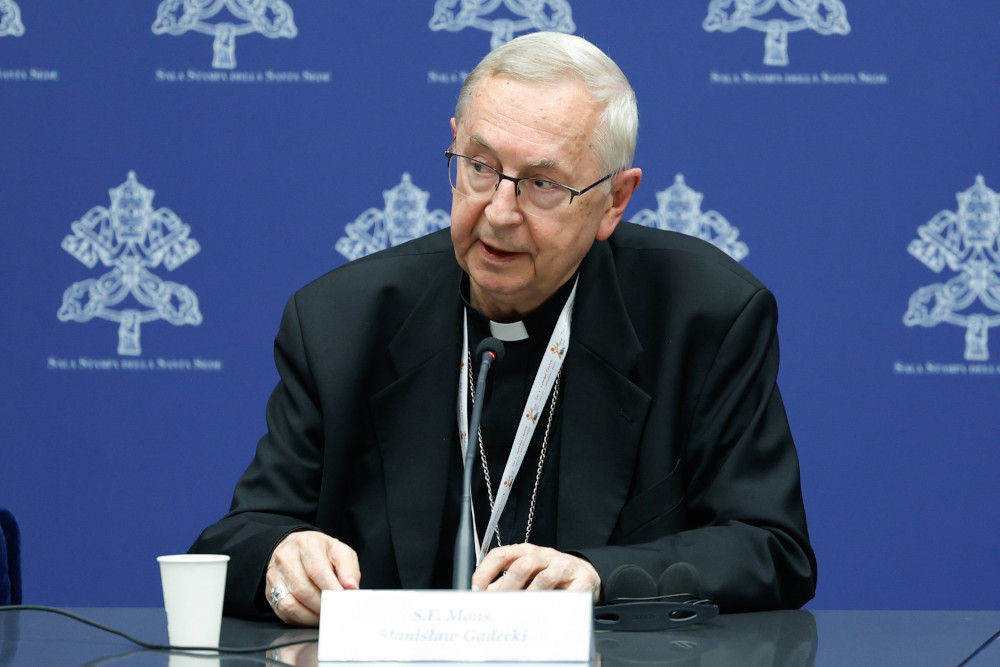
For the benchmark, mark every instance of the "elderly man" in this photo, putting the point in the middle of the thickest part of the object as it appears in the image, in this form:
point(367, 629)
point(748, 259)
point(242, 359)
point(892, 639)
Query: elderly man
point(635, 419)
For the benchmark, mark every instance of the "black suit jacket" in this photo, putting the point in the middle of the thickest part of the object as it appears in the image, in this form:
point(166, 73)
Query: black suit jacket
point(675, 445)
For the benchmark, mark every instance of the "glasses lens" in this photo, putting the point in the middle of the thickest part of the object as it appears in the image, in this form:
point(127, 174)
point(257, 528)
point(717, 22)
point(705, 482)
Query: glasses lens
point(543, 196)
point(472, 178)
point(478, 180)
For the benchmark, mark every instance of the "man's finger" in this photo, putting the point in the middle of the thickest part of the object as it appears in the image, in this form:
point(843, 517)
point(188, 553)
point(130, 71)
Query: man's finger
point(493, 564)
point(290, 610)
point(345, 565)
point(530, 567)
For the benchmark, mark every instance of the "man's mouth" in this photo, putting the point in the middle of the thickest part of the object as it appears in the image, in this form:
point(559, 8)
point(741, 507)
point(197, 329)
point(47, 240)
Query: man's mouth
point(497, 253)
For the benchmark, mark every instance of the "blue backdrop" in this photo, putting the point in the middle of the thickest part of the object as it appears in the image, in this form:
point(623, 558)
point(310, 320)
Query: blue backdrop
point(167, 180)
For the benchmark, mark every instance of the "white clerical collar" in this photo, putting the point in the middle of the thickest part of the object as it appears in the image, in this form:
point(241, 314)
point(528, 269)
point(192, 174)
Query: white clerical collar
point(509, 332)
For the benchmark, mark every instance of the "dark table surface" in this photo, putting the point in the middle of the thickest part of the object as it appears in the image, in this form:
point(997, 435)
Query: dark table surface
point(884, 638)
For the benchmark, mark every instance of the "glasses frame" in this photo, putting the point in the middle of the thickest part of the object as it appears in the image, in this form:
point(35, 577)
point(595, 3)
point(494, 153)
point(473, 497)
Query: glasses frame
point(501, 177)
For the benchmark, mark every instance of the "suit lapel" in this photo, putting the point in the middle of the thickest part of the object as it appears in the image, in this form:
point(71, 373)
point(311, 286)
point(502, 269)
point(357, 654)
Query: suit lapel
point(603, 416)
point(603, 411)
point(416, 425)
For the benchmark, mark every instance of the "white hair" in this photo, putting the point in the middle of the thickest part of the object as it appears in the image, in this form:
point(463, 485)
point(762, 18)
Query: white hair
point(554, 58)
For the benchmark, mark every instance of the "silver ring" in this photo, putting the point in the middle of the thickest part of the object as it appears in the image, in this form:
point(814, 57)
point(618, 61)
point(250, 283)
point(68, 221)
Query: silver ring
point(277, 593)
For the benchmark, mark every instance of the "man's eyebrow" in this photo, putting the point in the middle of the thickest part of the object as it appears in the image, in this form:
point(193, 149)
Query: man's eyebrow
point(480, 141)
point(545, 163)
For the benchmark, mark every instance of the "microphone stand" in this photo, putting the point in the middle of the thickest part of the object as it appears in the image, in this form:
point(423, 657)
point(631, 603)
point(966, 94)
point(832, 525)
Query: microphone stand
point(489, 351)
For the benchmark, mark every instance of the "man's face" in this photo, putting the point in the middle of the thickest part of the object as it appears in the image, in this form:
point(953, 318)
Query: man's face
point(515, 261)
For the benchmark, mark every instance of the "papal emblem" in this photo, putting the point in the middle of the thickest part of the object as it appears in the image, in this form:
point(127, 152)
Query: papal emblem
point(827, 17)
point(966, 242)
point(271, 18)
point(404, 217)
point(528, 15)
point(679, 210)
point(130, 238)
point(10, 19)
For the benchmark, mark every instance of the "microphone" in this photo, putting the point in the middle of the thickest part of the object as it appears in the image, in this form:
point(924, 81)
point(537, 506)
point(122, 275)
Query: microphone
point(638, 604)
point(629, 582)
point(489, 351)
point(493, 347)
point(679, 579)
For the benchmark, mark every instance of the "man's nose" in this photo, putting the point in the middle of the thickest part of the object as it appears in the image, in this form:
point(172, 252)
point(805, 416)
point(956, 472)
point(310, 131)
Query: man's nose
point(504, 207)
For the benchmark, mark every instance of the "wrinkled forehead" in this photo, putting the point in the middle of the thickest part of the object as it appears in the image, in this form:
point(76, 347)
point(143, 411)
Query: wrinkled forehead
point(557, 116)
point(531, 89)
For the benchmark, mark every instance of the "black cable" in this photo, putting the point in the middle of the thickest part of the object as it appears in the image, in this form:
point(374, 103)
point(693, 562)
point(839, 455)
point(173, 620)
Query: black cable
point(220, 659)
point(149, 645)
point(979, 650)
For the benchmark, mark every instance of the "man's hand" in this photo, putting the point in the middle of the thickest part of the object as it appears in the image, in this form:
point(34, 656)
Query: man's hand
point(526, 566)
point(301, 566)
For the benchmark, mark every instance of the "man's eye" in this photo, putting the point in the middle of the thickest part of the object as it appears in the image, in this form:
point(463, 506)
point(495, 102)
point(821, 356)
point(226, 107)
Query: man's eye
point(542, 185)
point(481, 168)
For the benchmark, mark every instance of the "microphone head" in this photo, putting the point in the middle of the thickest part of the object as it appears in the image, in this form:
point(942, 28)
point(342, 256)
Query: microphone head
point(492, 345)
point(680, 578)
point(629, 582)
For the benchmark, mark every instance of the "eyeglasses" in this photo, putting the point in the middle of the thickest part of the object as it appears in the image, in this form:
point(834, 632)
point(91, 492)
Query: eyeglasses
point(478, 180)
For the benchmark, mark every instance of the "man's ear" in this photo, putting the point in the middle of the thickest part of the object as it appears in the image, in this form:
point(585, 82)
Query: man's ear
point(454, 126)
point(622, 187)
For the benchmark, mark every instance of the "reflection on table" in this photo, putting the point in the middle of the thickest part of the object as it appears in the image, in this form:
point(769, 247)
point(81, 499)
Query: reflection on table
point(767, 639)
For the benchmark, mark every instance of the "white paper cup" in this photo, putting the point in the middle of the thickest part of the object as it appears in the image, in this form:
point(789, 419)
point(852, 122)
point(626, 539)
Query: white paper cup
point(193, 589)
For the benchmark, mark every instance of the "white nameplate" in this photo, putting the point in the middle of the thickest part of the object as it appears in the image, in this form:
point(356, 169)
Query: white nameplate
point(455, 626)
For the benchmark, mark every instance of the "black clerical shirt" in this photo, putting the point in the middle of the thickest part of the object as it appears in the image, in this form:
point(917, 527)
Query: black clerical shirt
point(507, 389)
